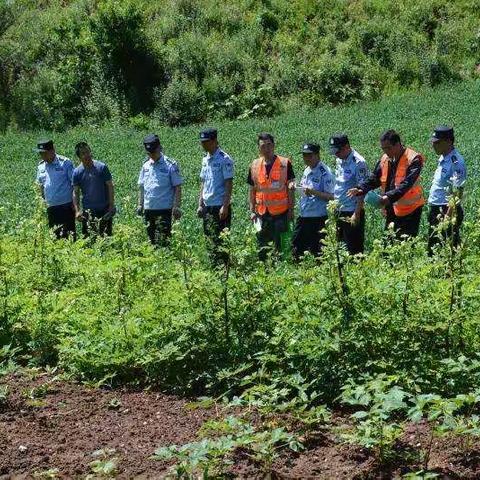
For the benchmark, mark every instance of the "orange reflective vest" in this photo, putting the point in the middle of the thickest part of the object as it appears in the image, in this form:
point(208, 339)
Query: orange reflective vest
point(413, 198)
point(271, 191)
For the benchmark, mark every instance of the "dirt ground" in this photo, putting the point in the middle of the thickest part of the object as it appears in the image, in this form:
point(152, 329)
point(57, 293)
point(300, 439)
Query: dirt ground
point(53, 431)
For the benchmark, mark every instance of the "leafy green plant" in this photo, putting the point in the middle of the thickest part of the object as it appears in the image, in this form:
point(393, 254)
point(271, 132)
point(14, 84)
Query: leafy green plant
point(375, 426)
point(212, 456)
point(105, 464)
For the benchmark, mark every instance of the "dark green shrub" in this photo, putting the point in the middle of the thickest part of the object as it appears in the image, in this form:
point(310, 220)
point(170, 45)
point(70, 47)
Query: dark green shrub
point(127, 55)
point(181, 103)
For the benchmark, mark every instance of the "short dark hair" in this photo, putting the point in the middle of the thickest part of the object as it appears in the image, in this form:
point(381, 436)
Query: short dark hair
point(265, 136)
point(80, 146)
point(390, 136)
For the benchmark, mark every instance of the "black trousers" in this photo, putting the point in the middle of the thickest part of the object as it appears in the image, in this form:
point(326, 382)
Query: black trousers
point(92, 222)
point(406, 225)
point(159, 226)
point(352, 235)
point(308, 235)
point(436, 215)
point(62, 219)
point(272, 226)
point(212, 227)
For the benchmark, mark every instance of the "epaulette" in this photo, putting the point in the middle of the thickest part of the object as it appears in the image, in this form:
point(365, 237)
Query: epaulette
point(170, 161)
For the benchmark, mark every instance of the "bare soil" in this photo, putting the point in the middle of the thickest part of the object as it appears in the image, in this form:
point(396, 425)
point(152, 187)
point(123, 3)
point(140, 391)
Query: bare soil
point(51, 426)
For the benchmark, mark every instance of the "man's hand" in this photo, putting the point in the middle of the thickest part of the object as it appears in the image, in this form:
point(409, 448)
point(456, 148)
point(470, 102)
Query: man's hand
point(79, 215)
point(176, 213)
point(200, 211)
point(140, 210)
point(354, 192)
point(355, 219)
point(384, 200)
point(223, 212)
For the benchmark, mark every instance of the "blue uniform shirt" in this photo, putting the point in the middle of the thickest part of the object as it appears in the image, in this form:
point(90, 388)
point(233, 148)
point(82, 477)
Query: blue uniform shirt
point(319, 178)
point(349, 174)
point(159, 179)
point(451, 173)
point(216, 169)
point(92, 183)
point(56, 180)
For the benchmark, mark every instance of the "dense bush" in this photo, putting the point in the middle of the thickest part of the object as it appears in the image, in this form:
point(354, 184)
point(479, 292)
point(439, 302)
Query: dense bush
point(120, 308)
point(235, 59)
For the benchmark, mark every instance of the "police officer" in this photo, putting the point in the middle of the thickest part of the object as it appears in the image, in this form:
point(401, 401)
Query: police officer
point(351, 170)
point(215, 196)
point(92, 180)
point(397, 174)
point(272, 193)
point(54, 177)
point(160, 191)
point(449, 179)
point(317, 186)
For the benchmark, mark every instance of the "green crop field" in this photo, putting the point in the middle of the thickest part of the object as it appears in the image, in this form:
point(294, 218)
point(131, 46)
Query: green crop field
point(413, 114)
point(395, 335)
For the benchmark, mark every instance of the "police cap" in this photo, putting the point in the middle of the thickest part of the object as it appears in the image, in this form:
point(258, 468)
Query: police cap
point(337, 141)
point(308, 147)
point(151, 142)
point(208, 134)
point(44, 146)
point(442, 132)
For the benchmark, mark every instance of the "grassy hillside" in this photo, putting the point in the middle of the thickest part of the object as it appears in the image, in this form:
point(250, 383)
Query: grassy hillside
point(67, 62)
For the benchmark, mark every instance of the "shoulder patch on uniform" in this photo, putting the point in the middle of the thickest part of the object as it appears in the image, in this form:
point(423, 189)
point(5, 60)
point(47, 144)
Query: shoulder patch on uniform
point(170, 161)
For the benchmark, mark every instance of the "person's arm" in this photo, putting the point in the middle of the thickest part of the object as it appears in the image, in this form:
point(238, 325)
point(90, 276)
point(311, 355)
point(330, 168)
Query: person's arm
point(176, 181)
point(459, 177)
point(177, 202)
point(291, 191)
point(370, 183)
point(327, 196)
point(252, 193)
point(40, 183)
point(327, 188)
point(111, 195)
point(141, 199)
point(412, 174)
point(201, 203)
point(141, 192)
point(226, 198)
point(76, 202)
point(228, 173)
point(362, 174)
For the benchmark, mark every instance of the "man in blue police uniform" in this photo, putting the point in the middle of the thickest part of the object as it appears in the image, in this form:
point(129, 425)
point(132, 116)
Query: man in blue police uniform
point(93, 181)
point(54, 176)
point(215, 192)
point(317, 186)
point(351, 170)
point(160, 191)
point(449, 180)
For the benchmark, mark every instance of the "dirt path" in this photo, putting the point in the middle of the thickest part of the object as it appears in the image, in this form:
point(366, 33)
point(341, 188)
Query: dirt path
point(49, 427)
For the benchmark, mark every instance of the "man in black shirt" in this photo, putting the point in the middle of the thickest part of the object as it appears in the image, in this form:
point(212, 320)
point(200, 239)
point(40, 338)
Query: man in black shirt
point(398, 175)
